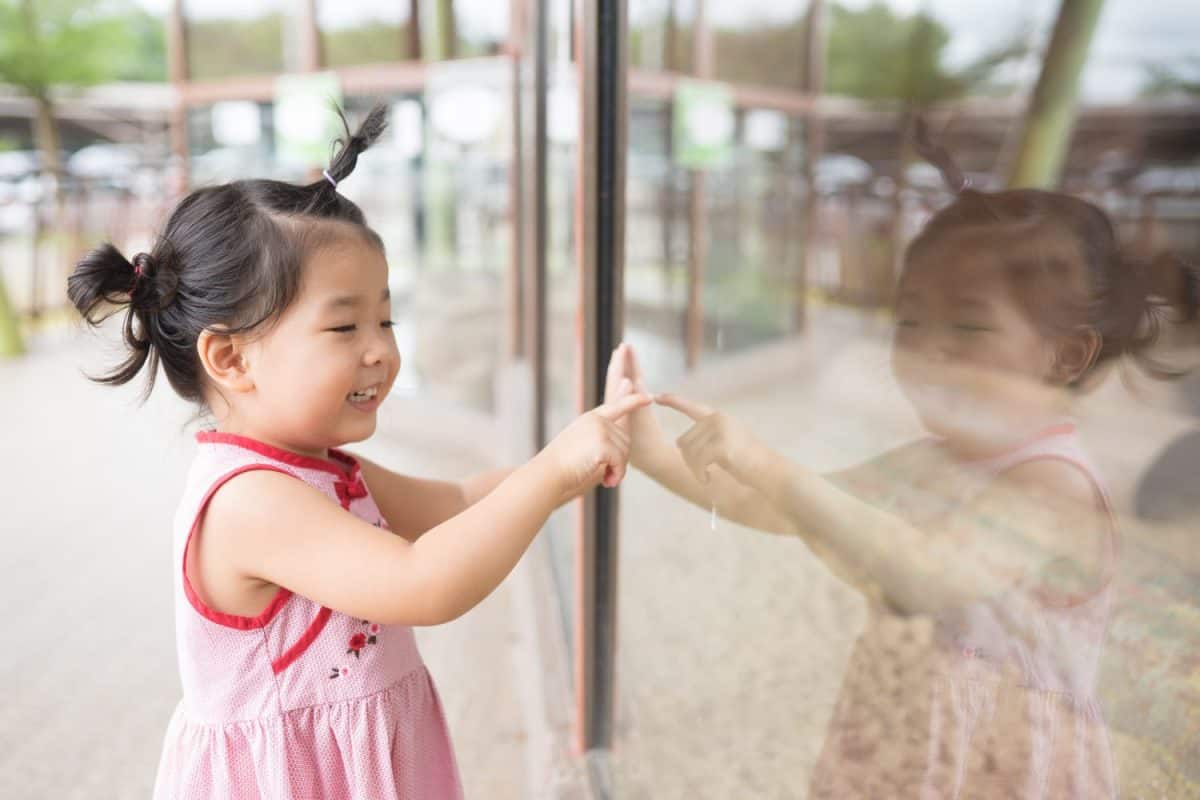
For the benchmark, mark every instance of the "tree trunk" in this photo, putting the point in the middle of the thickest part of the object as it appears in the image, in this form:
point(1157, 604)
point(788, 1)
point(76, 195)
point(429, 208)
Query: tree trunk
point(447, 33)
point(1051, 114)
point(10, 332)
point(45, 133)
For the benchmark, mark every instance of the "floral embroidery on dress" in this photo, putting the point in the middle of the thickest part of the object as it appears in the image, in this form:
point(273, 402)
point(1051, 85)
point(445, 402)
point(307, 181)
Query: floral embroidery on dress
point(358, 642)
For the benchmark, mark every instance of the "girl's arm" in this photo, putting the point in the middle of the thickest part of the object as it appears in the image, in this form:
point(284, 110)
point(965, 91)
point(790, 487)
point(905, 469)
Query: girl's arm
point(658, 457)
point(733, 500)
point(1034, 516)
point(413, 506)
point(299, 539)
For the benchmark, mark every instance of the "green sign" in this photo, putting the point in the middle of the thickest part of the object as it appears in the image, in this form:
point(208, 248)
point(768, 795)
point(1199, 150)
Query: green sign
point(305, 122)
point(704, 124)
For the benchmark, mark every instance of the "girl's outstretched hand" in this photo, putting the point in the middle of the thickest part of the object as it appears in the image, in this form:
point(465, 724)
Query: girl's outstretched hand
point(593, 449)
point(716, 438)
point(625, 377)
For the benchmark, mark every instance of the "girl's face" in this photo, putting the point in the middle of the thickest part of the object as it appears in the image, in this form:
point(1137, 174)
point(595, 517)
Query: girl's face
point(967, 355)
point(330, 360)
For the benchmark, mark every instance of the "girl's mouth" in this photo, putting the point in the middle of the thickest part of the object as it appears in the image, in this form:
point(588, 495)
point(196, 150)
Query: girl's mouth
point(366, 399)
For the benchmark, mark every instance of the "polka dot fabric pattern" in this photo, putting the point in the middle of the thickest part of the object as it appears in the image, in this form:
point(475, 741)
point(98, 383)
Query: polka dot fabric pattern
point(300, 702)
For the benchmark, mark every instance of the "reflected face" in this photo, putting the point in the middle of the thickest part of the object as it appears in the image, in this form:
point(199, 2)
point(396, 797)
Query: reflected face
point(322, 371)
point(966, 352)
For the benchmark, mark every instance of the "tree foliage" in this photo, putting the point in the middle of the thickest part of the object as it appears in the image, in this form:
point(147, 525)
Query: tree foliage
point(63, 43)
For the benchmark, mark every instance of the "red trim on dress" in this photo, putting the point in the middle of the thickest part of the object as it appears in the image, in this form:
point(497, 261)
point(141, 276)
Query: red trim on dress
point(302, 644)
point(211, 614)
point(339, 463)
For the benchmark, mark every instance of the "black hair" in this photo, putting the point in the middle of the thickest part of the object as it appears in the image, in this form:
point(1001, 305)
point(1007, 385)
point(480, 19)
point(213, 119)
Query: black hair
point(230, 258)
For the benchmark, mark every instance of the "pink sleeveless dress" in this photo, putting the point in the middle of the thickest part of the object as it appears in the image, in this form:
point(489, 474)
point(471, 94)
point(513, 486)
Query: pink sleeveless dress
point(999, 700)
point(300, 701)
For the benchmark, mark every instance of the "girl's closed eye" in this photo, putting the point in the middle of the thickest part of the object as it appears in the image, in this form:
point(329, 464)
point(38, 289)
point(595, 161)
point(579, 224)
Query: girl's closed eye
point(387, 323)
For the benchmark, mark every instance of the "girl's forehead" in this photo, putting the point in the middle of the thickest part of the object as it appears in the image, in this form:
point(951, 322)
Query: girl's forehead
point(345, 263)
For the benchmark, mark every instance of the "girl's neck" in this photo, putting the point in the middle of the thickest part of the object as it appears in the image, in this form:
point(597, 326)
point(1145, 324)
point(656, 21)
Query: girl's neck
point(983, 447)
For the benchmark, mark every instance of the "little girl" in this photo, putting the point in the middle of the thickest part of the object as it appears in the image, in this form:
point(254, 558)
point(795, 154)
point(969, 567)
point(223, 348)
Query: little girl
point(997, 527)
point(299, 568)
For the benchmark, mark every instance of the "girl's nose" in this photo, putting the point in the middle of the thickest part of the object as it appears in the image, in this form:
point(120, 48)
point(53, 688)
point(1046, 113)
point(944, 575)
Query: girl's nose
point(942, 351)
point(941, 347)
point(376, 352)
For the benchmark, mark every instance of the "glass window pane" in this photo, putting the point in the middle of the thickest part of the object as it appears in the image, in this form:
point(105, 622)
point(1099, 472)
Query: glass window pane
point(363, 32)
point(920, 546)
point(227, 39)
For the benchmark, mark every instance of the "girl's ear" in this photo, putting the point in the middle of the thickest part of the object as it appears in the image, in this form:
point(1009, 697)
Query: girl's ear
point(1075, 354)
point(224, 360)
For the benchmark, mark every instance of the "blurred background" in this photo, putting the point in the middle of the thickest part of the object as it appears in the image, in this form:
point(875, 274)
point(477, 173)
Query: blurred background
point(771, 184)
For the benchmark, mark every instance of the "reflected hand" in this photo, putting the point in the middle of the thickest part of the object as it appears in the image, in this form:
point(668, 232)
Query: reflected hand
point(716, 438)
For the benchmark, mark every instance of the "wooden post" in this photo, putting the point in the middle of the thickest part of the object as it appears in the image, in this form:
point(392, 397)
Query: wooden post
point(177, 73)
point(666, 193)
point(814, 144)
point(702, 59)
point(311, 55)
point(414, 30)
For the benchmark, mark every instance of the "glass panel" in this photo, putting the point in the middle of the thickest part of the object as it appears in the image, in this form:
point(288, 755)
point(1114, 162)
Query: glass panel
point(438, 196)
point(562, 283)
point(946, 540)
point(363, 32)
point(481, 26)
point(227, 38)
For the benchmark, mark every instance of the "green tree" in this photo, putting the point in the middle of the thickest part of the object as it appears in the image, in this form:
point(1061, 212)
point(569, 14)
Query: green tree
point(876, 54)
point(148, 57)
point(44, 46)
point(1180, 78)
point(879, 55)
point(55, 43)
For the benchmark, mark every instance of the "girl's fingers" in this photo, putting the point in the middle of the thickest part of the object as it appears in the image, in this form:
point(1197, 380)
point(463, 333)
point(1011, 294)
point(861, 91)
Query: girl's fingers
point(701, 430)
point(618, 438)
point(623, 439)
point(622, 406)
point(614, 466)
point(710, 454)
point(695, 462)
point(634, 369)
point(613, 477)
point(696, 411)
point(617, 364)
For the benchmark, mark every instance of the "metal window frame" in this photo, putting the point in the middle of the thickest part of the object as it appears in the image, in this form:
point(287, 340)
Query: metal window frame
point(601, 48)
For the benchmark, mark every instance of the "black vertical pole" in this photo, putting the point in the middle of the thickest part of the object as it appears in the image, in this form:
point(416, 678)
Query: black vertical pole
point(602, 64)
